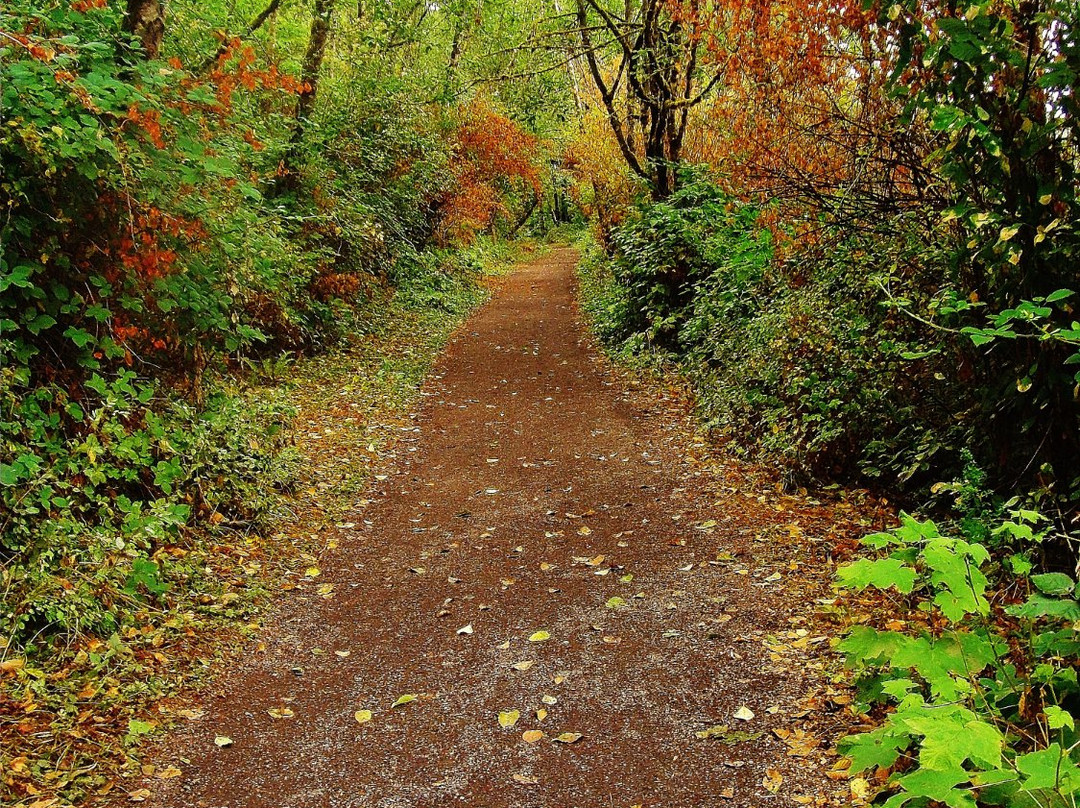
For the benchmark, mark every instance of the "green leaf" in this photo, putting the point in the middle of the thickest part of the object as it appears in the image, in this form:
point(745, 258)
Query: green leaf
point(1053, 583)
point(1041, 606)
point(1056, 718)
point(940, 785)
point(882, 573)
point(39, 323)
point(877, 749)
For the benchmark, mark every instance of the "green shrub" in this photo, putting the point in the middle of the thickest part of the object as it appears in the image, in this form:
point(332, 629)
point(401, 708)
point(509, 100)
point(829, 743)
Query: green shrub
point(94, 499)
point(981, 693)
point(799, 361)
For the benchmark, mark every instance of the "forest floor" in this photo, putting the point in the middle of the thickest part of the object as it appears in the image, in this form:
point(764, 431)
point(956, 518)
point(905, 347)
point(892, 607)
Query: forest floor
point(553, 593)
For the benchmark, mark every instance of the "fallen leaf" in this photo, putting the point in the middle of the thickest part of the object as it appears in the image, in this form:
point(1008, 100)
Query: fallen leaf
point(724, 734)
point(567, 737)
point(342, 654)
point(9, 665)
point(504, 646)
point(362, 716)
point(532, 735)
point(401, 700)
point(744, 713)
point(539, 636)
point(860, 790)
point(584, 530)
point(221, 741)
point(169, 773)
point(465, 629)
point(508, 718)
point(326, 590)
point(615, 603)
point(280, 712)
point(595, 561)
point(191, 715)
point(549, 700)
point(312, 572)
point(772, 780)
point(526, 779)
point(541, 714)
point(140, 795)
point(544, 566)
point(524, 665)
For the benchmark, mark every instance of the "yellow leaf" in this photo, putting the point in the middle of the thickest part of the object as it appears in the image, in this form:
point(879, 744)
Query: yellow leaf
point(362, 716)
point(405, 699)
point(532, 735)
point(526, 779)
point(772, 780)
point(567, 737)
point(539, 636)
point(524, 665)
point(508, 718)
point(744, 713)
point(222, 741)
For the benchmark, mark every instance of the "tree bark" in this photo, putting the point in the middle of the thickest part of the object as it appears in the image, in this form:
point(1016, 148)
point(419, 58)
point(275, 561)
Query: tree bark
point(310, 70)
point(312, 64)
point(145, 19)
point(658, 67)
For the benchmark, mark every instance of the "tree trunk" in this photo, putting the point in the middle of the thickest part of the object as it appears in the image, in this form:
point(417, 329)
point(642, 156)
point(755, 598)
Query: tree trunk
point(312, 65)
point(310, 71)
point(146, 20)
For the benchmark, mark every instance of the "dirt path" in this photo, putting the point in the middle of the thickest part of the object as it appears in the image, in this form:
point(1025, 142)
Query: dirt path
point(533, 487)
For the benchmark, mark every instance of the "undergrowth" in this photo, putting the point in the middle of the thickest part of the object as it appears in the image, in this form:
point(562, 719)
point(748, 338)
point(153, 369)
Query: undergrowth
point(138, 552)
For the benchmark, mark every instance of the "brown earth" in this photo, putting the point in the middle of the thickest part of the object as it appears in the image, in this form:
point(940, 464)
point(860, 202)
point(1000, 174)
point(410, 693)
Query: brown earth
point(528, 489)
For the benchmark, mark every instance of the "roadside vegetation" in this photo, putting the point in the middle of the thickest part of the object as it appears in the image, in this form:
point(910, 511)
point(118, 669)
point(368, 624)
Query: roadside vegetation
point(851, 226)
point(860, 256)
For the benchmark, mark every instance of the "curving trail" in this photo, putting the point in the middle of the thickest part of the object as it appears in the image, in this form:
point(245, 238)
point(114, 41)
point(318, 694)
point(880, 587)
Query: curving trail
point(535, 485)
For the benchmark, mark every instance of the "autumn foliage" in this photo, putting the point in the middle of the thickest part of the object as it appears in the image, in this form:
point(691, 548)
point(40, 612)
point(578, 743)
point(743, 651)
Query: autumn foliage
point(491, 156)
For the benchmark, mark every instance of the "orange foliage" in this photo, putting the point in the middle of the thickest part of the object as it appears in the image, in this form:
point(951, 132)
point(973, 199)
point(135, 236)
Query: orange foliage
point(491, 155)
point(800, 103)
point(82, 6)
point(336, 285)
